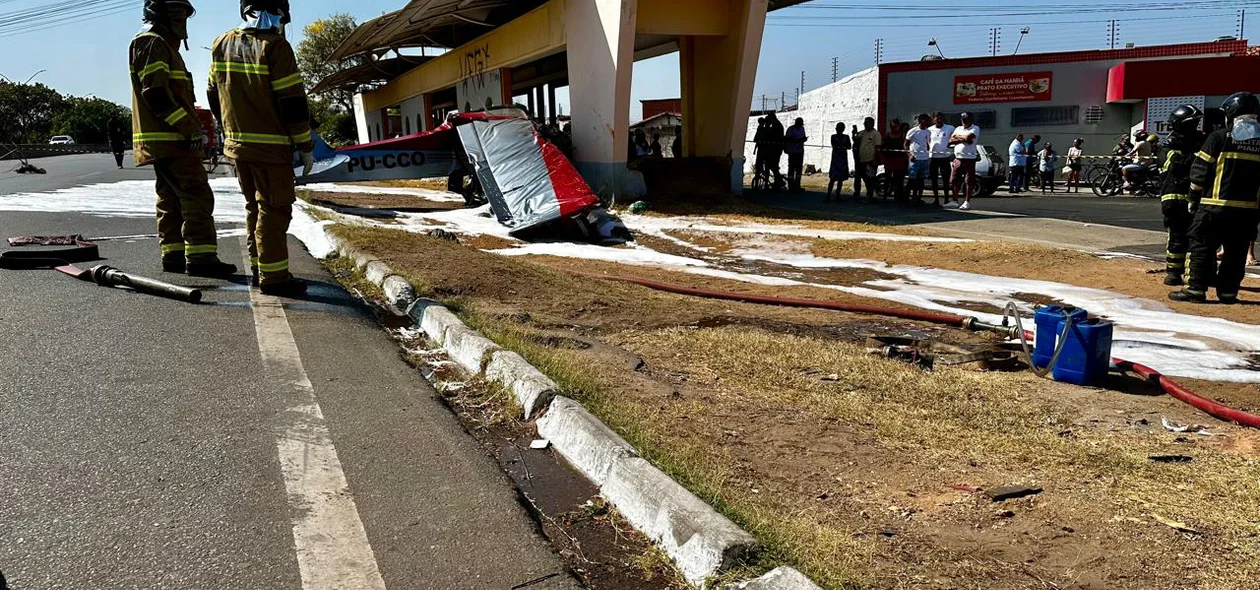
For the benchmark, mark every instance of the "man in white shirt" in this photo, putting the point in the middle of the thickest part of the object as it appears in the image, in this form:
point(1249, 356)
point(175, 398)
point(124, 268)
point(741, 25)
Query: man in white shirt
point(941, 155)
point(1017, 163)
point(966, 153)
point(1142, 154)
point(918, 142)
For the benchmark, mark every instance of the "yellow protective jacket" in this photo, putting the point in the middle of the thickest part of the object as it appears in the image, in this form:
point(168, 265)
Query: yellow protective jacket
point(255, 83)
point(163, 116)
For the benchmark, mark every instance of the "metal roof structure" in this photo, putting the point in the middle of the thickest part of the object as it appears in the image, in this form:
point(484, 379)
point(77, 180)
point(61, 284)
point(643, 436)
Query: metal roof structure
point(444, 23)
point(371, 71)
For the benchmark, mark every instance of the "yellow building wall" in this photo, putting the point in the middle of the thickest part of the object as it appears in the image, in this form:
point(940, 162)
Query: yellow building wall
point(535, 34)
point(684, 17)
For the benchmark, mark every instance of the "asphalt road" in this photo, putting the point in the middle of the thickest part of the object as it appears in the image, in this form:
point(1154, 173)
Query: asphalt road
point(147, 443)
point(1083, 207)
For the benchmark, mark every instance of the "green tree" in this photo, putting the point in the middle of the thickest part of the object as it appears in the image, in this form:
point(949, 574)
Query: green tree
point(87, 119)
point(27, 112)
point(314, 56)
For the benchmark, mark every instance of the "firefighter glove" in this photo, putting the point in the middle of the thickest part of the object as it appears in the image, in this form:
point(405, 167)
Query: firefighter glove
point(308, 162)
point(197, 142)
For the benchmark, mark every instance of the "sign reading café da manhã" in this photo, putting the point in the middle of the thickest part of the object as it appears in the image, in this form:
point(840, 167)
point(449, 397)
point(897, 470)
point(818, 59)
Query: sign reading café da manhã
point(1013, 87)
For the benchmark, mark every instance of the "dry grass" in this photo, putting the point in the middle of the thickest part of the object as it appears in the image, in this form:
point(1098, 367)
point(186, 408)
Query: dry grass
point(438, 184)
point(819, 470)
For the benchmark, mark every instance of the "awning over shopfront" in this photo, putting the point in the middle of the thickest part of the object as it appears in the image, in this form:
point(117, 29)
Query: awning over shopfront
point(1133, 81)
point(370, 72)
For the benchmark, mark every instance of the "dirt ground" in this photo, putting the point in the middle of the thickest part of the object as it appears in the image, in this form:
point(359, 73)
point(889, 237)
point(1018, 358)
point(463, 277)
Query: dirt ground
point(862, 471)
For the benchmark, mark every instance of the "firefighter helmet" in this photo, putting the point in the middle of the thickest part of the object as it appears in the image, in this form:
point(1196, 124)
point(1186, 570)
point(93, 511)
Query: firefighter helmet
point(1140, 135)
point(1185, 118)
point(1239, 104)
point(155, 10)
point(277, 7)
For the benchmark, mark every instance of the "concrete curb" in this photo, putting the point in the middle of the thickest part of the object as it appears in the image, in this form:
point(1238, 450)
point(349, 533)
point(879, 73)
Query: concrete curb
point(702, 542)
point(533, 390)
point(780, 578)
point(582, 439)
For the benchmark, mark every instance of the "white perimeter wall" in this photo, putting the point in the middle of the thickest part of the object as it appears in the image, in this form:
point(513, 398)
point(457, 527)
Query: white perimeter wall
point(849, 101)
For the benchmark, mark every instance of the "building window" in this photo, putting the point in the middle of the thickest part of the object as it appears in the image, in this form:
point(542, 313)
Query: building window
point(984, 119)
point(1040, 116)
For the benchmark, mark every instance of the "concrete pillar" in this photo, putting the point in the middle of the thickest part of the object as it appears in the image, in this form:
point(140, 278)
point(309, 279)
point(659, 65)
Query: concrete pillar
point(718, 73)
point(541, 101)
point(529, 102)
point(551, 102)
point(600, 36)
point(426, 113)
point(361, 121)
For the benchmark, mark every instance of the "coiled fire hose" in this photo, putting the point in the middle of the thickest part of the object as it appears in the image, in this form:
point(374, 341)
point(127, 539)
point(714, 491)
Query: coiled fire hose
point(1015, 332)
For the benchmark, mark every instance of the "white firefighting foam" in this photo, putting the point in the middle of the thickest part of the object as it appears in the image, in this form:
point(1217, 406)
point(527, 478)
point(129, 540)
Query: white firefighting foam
point(1147, 331)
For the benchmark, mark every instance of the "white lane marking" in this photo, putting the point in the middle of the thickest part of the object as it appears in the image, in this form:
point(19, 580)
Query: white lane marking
point(333, 552)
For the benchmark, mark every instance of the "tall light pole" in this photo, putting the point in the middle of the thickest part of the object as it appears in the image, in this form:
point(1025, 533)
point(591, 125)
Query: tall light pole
point(1022, 32)
point(932, 43)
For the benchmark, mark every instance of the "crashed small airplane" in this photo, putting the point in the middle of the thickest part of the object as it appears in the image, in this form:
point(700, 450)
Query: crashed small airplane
point(531, 187)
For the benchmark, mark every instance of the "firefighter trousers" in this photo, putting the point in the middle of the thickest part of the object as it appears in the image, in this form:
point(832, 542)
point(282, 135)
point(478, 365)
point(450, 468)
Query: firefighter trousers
point(1177, 219)
point(1232, 229)
point(269, 196)
point(185, 210)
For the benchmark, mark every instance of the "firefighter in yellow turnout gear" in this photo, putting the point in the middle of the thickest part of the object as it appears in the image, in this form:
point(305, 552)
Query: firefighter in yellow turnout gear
point(167, 135)
point(1225, 188)
point(256, 93)
point(1183, 143)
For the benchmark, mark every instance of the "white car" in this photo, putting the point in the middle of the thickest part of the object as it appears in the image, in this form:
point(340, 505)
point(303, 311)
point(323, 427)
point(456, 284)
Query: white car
point(61, 140)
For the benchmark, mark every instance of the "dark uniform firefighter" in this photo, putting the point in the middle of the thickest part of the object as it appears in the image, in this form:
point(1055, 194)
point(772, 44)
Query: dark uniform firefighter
point(1183, 143)
point(256, 93)
point(1225, 187)
point(168, 135)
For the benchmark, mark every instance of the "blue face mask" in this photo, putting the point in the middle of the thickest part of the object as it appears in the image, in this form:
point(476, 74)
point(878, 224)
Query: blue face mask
point(262, 21)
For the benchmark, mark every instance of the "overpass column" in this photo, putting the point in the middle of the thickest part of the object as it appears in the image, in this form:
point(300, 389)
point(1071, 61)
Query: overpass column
point(717, 85)
point(600, 38)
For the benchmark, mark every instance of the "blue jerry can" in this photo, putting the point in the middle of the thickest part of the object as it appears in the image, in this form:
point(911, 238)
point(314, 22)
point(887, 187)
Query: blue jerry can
point(1049, 321)
point(1087, 355)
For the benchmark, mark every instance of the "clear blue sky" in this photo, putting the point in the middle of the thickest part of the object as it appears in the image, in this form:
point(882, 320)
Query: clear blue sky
point(89, 56)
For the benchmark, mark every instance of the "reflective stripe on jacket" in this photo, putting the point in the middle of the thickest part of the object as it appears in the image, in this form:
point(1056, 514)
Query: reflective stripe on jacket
point(163, 112)
point(255, 76)
point(1227, 173)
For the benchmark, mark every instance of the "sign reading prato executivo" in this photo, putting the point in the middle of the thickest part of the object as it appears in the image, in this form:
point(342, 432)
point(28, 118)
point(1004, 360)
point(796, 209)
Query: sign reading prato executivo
point(1006, 87)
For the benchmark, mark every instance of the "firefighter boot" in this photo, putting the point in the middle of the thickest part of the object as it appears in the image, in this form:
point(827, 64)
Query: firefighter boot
point(293, 287)
point(213, 268)
point(1188, 296)
point(1173, 279)
point(173, 262)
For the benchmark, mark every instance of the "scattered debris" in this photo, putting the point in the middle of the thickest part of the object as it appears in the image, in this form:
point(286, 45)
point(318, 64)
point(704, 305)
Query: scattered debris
point(1175, 427)
point(888, 533)
point(540, 444)
point(1174, 524)
point(1170, 458)
point(962, 487)
point(442, 234)
point(27, 168)
point(1012, 492)
point(832, 377)
point(1005, 514)
point(638, 207)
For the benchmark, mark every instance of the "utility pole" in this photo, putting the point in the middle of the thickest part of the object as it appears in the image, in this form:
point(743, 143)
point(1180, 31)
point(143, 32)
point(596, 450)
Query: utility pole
point(782, 101)
point(995, 41)
point(1242, 24)
point(801, 90)
point(763, 102)
point(1113, 32)
point(835, 70)
point(879, 51)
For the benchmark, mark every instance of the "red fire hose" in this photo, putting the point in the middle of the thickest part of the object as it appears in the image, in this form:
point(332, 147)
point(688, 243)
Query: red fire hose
point(1169, 386)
